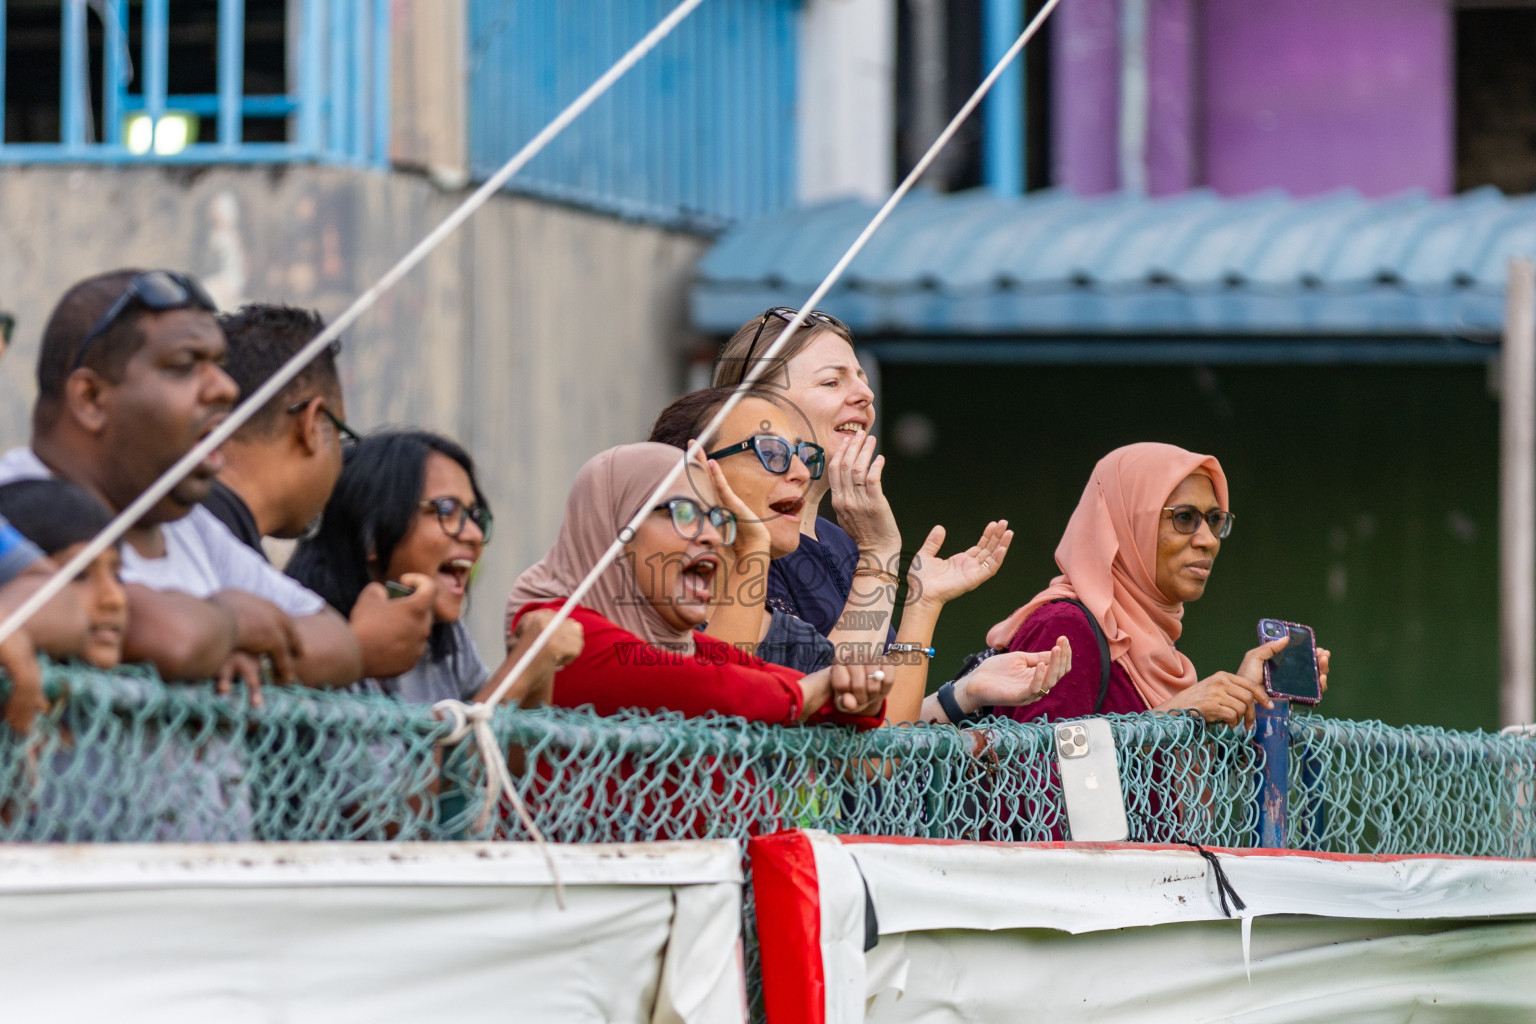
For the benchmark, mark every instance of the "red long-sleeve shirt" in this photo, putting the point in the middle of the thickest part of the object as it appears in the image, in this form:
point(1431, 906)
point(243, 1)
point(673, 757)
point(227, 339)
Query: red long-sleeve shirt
point(618, 670)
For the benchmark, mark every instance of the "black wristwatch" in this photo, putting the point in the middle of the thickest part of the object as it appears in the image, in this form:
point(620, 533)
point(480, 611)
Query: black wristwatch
point(951, 706)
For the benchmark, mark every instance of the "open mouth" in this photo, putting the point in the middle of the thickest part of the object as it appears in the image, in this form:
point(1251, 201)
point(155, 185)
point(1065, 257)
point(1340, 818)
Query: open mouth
point(697, 579)
point(851, 427)
point(789, 508)
point(213, 462)
point(453, 575)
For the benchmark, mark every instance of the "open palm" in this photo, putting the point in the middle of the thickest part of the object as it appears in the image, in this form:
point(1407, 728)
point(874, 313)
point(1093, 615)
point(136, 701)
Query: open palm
point(937, 580)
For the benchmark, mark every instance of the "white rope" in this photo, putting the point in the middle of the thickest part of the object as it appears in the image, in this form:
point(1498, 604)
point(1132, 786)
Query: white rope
point(751, 377)
point(248, 408)
point(476, 720)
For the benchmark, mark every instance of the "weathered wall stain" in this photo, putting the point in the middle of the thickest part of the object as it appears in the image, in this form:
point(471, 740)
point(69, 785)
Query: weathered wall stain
point(536, 335)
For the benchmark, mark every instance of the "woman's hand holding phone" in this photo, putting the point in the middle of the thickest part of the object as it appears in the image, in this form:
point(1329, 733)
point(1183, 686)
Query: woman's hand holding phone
point(1230, 697)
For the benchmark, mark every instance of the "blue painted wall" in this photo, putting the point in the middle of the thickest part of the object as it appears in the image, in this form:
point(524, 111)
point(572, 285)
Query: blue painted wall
point(700, 133)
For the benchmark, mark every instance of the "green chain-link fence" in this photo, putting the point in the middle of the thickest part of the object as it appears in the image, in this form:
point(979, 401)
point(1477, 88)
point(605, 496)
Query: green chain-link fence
point(124, 756)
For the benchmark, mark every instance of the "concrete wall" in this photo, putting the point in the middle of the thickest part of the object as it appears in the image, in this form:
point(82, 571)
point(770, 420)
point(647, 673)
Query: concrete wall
point(536, 335)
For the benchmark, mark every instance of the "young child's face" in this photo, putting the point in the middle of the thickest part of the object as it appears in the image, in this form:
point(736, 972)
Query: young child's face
point(106, 606)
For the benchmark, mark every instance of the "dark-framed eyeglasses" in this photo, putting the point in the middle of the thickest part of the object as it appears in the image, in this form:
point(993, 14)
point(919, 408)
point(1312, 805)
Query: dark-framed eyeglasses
point(787, 314)
point(775, 453)
point(688, 519)
point(1187, 519)
point(348, 436)
point(156, 290)
point(453, 514)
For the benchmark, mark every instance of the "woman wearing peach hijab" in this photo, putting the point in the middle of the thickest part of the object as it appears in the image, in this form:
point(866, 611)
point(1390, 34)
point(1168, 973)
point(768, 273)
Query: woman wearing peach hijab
point(1141, 543)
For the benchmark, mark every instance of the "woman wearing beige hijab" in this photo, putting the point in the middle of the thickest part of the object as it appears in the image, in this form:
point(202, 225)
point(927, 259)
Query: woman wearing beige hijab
point(641, 649)
point(1142, 542)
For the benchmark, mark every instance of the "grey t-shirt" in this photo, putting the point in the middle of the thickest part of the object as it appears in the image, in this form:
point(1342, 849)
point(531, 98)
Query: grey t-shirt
point(457, 677)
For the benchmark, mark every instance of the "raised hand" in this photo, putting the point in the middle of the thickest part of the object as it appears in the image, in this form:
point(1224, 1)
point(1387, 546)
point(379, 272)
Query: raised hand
point(393, 633)
point(937, 580)
point(751, 529)
point(1014, 679)
point(853, 474)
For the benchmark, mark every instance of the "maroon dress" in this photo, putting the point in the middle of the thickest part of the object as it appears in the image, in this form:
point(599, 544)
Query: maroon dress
point(1075, 693)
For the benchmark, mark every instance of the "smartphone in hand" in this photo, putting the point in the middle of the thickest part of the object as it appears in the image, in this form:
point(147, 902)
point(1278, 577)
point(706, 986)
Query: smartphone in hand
point(394, 588)
point(1292, 673)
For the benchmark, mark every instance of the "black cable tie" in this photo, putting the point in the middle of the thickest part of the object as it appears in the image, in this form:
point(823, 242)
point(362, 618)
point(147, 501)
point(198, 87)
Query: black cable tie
point(1223, 884)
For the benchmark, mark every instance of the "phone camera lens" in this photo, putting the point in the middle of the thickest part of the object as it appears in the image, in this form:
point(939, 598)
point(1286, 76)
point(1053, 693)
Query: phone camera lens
point(1064, 734)
point(1274, 629)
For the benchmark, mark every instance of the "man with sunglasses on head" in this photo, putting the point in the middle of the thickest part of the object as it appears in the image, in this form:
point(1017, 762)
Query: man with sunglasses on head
point(129, 379)
point(282, 464)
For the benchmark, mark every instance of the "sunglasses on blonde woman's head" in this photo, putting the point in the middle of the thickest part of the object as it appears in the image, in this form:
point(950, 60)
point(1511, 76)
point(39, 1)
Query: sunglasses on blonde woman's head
point(453, 514)
point(688, 519)
point(1187, 519)
point(775, 453)
point(787, 314)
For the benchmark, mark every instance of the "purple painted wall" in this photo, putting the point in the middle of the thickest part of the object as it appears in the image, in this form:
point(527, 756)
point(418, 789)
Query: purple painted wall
point(1085, 94)
point(1302, 95)
point(1311, 95)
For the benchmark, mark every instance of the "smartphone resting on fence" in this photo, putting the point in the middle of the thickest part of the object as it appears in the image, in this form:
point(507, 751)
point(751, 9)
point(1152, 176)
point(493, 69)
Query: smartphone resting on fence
point(395, 588)
point(1090, 781)
point(1292, 673)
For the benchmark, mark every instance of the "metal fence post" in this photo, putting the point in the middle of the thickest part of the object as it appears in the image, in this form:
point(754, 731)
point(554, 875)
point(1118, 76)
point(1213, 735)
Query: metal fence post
point(1272, 732)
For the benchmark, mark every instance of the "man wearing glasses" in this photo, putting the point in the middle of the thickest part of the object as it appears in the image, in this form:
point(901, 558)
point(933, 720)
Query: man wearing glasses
point(129, 380)
point(281, 466)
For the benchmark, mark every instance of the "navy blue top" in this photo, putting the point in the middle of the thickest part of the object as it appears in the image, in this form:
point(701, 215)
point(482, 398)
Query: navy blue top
point(812, 582)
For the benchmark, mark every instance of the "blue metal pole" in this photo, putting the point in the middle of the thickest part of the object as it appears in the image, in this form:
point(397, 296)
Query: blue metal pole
point(383, 37)
point(312, 54)
point(114, 45)
point(1272, 732)
point(1003, 109)
point(156, 56)
point(338, 102)
point(72, 85)
point(231, 72)
point(2, 74)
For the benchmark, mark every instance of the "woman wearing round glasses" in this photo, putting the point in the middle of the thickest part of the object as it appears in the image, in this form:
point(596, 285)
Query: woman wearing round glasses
point(407, 521)
point(768, 494)
point(1142, 542)
point(639, 619)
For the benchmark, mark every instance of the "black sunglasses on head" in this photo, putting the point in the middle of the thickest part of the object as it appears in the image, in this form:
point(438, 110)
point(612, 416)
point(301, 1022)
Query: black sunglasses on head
point(787, 314)
point(155, 290)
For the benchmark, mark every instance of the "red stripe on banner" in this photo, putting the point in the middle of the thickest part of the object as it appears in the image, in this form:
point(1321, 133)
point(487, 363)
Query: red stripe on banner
point(788, 901)
point(1226, 851)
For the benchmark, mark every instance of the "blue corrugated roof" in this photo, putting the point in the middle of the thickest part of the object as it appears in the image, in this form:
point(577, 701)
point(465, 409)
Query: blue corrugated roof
point(1196, 264)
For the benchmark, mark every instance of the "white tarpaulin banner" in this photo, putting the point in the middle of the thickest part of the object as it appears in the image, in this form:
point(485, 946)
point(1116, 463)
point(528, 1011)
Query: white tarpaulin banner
point(375, 932)
point(1067, 932)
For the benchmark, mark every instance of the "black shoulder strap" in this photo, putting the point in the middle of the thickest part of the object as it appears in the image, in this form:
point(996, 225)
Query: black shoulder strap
point(1098, 634)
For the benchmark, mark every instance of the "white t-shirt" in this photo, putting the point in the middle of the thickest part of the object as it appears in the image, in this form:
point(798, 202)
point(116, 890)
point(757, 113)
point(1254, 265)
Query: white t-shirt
point(201, 556)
